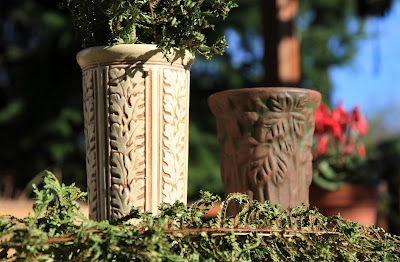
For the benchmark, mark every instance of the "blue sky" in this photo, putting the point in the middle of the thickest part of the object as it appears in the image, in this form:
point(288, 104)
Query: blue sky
point(372, 80)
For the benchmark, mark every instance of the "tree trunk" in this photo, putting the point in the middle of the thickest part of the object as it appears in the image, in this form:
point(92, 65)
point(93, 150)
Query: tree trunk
point(282, 50)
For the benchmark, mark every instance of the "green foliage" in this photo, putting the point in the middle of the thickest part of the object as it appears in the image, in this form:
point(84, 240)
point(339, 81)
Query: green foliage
point(59, 232)
point(173, 23)
point(41, 119)
point(332, 171)
point(204, 170)
point(56, 208)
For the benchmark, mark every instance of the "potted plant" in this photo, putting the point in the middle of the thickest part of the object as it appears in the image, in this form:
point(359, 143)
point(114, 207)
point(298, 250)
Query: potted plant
point(136, 93)
point(341, 179)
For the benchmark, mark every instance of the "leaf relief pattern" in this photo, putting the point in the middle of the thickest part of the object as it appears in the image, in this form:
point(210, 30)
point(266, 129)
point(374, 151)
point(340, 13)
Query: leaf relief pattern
point(90, 141)
point(174, 135)
point(274, 142)
point(127, 139)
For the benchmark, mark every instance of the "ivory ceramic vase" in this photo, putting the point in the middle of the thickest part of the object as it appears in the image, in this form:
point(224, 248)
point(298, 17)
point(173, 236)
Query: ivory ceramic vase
point(136, 127)
point(265, 137)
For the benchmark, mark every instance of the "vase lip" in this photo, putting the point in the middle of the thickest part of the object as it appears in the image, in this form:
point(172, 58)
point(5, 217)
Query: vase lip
point(240, 91)
point(132, 53)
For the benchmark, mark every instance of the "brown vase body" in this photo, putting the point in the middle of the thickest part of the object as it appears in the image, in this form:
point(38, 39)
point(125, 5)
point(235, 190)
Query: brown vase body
point(265, 137)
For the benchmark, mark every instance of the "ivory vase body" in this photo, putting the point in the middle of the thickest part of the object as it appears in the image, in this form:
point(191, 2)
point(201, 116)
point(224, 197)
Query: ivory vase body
point(136, 111)
point(265, 137)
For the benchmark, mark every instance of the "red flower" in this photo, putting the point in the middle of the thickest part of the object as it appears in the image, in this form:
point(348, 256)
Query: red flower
point(321, 118)
point(340, 119)
point(330, 122)
point(361, 150)
point(334, 125)
point(340, 115)
point(358, 122)
point(349, 149)
point(323, 141)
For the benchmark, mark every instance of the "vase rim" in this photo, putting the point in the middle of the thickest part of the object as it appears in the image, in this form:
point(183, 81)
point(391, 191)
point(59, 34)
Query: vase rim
point(220, 102)
point(239, 91)
point(131, 53)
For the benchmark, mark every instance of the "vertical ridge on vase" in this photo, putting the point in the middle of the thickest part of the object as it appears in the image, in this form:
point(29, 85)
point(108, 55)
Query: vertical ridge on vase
point(148, 141)
point(101, 130)
point(185, 183)
point(155, 142)
point(160, 135)
point(106, 131)
point(160, 123)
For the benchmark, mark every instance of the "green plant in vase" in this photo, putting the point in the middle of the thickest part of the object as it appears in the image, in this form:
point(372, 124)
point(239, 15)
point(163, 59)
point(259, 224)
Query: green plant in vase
point(339, 157)
point(169, 24)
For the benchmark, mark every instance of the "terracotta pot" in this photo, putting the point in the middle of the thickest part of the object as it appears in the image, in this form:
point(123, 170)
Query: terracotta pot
point(265, 137)
point(355, 202)
point(136, 107)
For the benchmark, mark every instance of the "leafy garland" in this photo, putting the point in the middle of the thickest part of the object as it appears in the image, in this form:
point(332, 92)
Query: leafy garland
point(167, 23)
point(59, 231)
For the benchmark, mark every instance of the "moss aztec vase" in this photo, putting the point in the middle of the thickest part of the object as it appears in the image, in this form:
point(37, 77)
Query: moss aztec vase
point(136, 108)
point(265, 137)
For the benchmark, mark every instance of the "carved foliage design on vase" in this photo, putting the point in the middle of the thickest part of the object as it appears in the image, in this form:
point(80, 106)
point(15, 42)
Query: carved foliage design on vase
point(136, 108)
point(127, 138)
point(90, 140)
point(175, 135)
point(265, 136)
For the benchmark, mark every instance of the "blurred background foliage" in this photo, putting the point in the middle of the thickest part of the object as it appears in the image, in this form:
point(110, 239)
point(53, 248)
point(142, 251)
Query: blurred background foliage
point(40, 93)
point(41, 119)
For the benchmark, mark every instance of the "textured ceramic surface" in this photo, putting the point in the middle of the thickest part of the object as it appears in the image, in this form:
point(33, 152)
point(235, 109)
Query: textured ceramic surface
point(136, 108)
point(265, 137)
